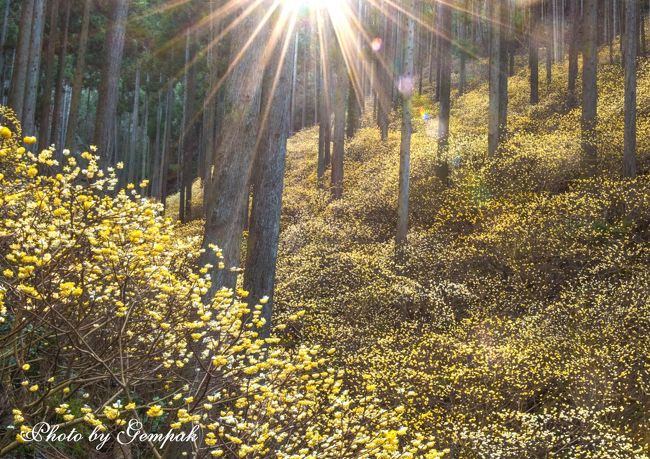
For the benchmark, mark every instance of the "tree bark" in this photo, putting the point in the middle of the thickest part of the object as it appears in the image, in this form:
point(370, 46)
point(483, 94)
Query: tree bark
point(17, 92)
point(533, 55)
point(631, 44)
point(77, 82)
point(495, 116)
point(324, 128)
point(341, 81)
point(589, 80)
point(3, 42)
point(444, 10)
point(45, 121)
point(573, 51)
point(108, 90)
point(405, 142)
point(268, 183)
point(33, 68)
point(354, 110)
point(235, 150)
point(135, 117)
point(58, 115)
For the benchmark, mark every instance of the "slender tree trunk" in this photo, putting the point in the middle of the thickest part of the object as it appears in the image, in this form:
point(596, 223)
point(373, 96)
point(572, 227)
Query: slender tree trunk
point(135, 116)
point(384, 80)
point(631, 31)
point(405, 143)
point(33, 68)
point(444, 50)
point(268, 183)
point(77, 82)
point(305, 80)
point(506, 40)
point(294, 82)
point(235, 151)
point(108, 90)
point(533, 55)
point(573, 51)
point(58, 113)
point(167, 142)
point(189, 146)
point(354, 110)
point(3, 42)
point(495, 90)
point(17, 92)
point(589, 80)
point(324, 128)
point(45, 121)
point(550, 44)
point(464, 32)
point(341, 81)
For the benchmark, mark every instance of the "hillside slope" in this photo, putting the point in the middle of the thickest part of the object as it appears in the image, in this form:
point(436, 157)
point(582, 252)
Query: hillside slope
point(519, 319)
point(517, 326)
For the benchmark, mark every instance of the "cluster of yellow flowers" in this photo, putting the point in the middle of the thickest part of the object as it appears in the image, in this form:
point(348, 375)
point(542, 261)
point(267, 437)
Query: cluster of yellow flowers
point(104, 317)
point(516, 324)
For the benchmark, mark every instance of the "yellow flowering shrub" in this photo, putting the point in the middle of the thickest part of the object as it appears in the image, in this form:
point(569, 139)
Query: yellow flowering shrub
point(103, 320)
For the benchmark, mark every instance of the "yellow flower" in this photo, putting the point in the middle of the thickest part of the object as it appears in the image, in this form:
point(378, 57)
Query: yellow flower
point(5, 132)
point(29, 140)
point(33, 388)
point(25, 366)
point(130, 406)
point(155, 411)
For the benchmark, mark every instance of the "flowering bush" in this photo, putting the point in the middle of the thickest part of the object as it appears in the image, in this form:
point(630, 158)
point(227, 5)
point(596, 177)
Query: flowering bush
point(103, 320)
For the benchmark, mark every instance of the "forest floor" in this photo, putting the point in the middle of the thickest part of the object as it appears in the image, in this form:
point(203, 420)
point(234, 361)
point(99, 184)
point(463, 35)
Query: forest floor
point(517, 325)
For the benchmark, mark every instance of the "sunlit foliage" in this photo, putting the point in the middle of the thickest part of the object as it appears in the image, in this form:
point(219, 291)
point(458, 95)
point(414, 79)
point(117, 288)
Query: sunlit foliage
point(103, 320)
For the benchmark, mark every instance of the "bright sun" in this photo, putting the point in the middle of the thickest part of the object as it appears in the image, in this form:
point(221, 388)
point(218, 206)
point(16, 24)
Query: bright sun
point(309, 4)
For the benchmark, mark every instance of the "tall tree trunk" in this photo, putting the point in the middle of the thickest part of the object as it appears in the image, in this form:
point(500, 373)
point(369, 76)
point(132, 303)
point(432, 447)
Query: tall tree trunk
point(294, 83)
point(573, 51)
point(384, 79)
point(533, 54)
point(58, 112)
point(444, 50)
point(33, 68)
point(3, 42)
point(324, 128)
point(77, 82)
point(341, 81)
point(157, 148)
point(305, 80)
point(506, 40)
point(589, 80)
point(108, 90)
point(135, 117)
point(235, 150)
point(405, 143)
point(550, 44)
point(268, 183)
point(631, 31)
point(464, 40)
point(495, 128)
point(188, 135)
point(19, 75)
point(167, 142)
point(45, 121)
point(354, 110)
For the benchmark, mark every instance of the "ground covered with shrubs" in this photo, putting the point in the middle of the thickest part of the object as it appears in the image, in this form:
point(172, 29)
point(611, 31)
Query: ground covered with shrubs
point(517, 324)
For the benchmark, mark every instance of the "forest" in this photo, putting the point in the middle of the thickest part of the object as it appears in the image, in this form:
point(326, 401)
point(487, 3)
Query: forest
point(311, 229)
